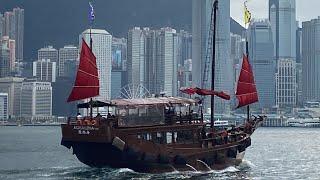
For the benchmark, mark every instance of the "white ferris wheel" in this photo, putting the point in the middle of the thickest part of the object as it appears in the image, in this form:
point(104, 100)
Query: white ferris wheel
point(134, 91)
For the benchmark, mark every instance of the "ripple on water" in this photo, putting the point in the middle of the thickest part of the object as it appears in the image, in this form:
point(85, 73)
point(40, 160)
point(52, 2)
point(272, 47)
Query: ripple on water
point(275, 153)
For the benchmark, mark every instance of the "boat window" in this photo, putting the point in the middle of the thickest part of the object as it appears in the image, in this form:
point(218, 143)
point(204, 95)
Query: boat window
point(169, 137)
point(184, 137)
point(149, 137)
point(158, 138)
point(141, 116)
point(159, 135)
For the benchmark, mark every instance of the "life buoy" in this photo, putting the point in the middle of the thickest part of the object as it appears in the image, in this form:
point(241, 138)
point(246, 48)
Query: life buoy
point(87, 122)
point(94, 122)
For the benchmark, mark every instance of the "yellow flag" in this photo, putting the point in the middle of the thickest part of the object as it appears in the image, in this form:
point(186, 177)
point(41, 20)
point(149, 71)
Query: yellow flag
point(247, 15)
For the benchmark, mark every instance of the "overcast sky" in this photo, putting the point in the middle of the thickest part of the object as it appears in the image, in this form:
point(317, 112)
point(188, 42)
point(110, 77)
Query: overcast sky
point(306, 9)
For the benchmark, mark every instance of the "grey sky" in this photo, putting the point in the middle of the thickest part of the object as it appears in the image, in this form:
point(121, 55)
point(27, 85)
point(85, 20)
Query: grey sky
point(306, 9)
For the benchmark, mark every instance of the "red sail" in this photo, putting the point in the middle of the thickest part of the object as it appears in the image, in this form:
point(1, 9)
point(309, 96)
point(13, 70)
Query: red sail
point(87, 80)
point(205, 92)
point(189, 91)
point(246, 90)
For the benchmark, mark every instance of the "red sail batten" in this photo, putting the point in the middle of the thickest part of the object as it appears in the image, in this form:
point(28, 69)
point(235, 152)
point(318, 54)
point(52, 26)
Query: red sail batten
point(87, 81)
point(246, 89)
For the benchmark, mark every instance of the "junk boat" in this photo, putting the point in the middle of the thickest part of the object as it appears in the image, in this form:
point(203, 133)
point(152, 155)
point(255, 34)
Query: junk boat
point(155, 135)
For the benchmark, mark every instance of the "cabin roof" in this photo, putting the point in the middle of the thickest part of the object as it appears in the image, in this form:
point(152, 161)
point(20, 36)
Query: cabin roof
point(94, 104)
point(153, 101)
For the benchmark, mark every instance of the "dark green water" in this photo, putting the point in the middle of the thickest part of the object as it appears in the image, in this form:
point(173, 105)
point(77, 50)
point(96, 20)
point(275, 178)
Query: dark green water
point(276, 153)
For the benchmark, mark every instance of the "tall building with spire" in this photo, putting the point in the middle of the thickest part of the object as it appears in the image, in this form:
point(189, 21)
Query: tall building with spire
point(101, 47)
point(201, 16)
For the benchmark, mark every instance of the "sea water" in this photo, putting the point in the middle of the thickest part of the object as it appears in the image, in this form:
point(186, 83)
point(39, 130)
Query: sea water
point(275, 153)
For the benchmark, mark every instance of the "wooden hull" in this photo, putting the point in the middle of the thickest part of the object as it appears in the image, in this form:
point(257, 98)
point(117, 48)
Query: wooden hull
point(107, 155)
point(119, 148)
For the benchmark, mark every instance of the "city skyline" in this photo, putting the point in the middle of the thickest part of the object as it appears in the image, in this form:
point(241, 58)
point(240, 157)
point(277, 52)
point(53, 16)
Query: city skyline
point(154, 57)
point(159, 89)
point(259, 10)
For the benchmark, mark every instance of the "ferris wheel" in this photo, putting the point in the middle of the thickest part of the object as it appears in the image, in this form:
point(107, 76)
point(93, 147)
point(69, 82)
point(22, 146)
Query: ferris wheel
point(134, 91)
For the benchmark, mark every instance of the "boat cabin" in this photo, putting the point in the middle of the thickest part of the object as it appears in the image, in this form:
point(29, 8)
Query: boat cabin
point(143, 112)
point(156, 111)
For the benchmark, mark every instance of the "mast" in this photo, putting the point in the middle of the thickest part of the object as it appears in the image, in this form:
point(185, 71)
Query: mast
point(247, 19)
point(213, 64)
point(91, 101)
point(87, 79)
point(247, 52)
point(91, 22)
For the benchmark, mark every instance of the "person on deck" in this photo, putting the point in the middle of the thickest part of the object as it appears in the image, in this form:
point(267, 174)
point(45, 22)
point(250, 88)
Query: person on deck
point(224, 134)
point(98, 115)
point(79, 117)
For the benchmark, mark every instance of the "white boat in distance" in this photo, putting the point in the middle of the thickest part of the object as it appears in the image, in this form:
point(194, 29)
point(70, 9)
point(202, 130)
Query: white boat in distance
point(304, 122)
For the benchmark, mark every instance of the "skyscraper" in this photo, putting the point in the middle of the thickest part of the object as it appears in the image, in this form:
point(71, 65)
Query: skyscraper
point(1, 25)
point(262, 60)
point(167, 64)
point(310, 60)
point(4, 106)
point(13, 26)
point(136, 56)
point(282, 16)
point(67, 55)
point(4, 59)
point(119, 59)
point(49, 53)
point(116, 83)
point(36, 99)
point(238, 48)
point(101, 47)
point(119, 53)
point(12, 86)
point(152, 56)
point(19, 32)
point(184, 46)
point(286, 89)
point(44, 70)
point(201, 16)
point(9, 25)
point(11, 44)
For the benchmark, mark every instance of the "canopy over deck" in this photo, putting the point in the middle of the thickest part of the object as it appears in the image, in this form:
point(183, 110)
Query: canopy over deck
point(153, 101)
point(94, 104)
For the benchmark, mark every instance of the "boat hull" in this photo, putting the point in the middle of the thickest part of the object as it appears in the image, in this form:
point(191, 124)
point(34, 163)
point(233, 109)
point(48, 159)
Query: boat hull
point(107, 155)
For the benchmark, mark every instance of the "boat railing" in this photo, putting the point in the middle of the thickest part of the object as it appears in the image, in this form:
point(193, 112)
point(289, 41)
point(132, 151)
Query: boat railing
point(189, 118)
point(222, 139)
point(90, 121)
